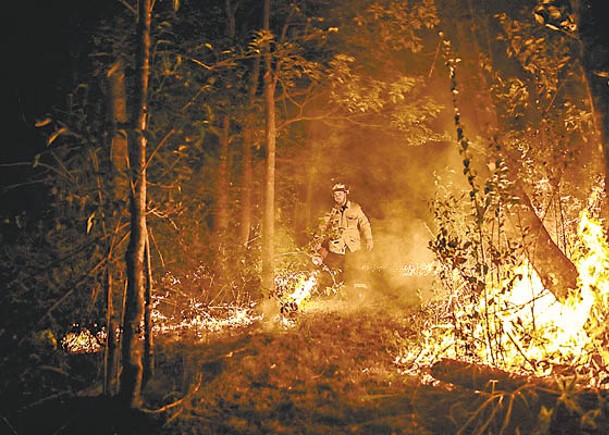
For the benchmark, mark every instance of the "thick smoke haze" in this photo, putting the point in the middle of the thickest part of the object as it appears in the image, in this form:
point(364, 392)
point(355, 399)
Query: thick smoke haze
point(394, 183)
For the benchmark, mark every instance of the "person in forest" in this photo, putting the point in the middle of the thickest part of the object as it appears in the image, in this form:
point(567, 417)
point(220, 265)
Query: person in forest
point(342, 232)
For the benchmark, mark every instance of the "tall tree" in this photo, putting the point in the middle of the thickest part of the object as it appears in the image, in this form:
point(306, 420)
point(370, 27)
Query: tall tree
point(119, 117)
point(133, 331)
point(119, 158)
point(223, 180)
point(245, 223)
point(268, 225)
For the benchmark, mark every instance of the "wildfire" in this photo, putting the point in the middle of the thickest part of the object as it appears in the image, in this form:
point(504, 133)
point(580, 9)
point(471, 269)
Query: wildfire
point(293, 289)
point(418, 269)
point(198, 320)
point(523, 328)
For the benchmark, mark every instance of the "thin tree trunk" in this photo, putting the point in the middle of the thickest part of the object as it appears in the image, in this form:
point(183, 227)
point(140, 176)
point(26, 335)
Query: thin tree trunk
point(231, 24)
point(268, 225)
point(133, 333)
point(148, 338)
point(223, 181)
point(119, 155)
point(110, 348)
point(221, 206)
point(222, 185)
point(248, 141)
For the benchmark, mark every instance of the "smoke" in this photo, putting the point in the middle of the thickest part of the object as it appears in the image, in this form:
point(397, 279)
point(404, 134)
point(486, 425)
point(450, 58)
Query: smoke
point(394, 184)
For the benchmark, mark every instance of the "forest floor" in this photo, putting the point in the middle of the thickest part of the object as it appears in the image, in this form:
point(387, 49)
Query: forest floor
point(331, 371)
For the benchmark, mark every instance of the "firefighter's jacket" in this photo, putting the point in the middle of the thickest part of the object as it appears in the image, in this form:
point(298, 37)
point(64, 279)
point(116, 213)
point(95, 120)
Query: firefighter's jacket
point(344, 228)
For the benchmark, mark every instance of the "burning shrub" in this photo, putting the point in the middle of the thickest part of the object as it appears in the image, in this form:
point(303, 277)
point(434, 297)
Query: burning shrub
point(519, 326)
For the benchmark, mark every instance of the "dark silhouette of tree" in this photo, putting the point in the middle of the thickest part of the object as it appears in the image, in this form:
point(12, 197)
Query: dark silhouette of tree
point(268, 225)
point(133, 328)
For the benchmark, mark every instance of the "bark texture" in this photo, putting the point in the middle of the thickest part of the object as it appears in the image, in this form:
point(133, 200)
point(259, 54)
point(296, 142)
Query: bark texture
point(247, 170)
point(133, 328)
point(268, 225)
point(119, 155)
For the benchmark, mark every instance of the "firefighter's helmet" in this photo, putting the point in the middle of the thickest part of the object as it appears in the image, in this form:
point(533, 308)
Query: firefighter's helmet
point(341, 186)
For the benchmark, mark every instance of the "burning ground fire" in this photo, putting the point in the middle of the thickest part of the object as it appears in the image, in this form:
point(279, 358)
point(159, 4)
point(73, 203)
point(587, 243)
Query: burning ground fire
point(522, 328)
point(293, 289)
point(198, 319)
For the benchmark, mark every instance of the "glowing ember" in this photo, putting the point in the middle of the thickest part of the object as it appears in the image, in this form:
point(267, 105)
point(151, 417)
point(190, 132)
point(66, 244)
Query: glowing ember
point(418, 269)
point(523, 328)
point(194, 322)
point(198, 320)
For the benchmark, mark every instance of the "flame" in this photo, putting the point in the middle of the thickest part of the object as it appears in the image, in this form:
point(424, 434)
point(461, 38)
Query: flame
point(293, 289)
point(194, 322)
point(199, 320)
point(418, 269)
point(523, 328)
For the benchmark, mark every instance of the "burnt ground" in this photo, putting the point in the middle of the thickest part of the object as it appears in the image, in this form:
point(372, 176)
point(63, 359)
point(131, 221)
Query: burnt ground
point(331, 372)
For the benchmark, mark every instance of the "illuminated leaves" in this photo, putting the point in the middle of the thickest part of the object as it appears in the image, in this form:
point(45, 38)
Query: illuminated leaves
point(555, 15)
point(396, 102)
point(397, 22)
point(544, 56)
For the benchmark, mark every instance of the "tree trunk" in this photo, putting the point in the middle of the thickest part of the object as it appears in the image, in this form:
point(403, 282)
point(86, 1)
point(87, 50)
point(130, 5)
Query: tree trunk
point(221, 205)
point(148, 338)
point(268, 225)
point(133, 328)
point(222, 184)
point(110, 349)
point(248, 141)
point(223, 180)
point(557, 273)
point(118, 148)
point(119, 159)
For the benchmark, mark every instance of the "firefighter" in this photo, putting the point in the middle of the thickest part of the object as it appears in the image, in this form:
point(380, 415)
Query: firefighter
point(342, 232)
